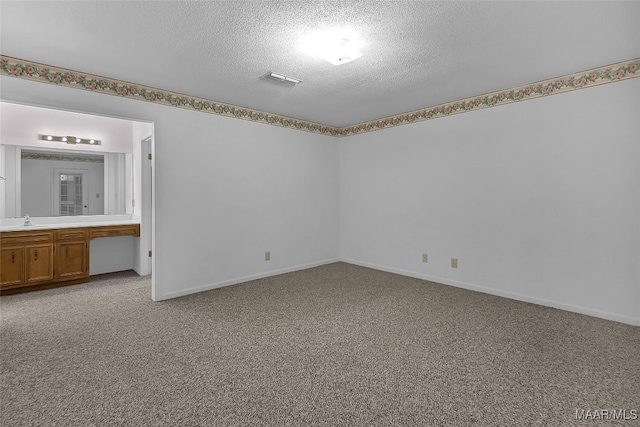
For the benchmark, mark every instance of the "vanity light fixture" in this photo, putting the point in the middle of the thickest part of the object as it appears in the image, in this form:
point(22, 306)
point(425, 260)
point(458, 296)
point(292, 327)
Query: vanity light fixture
point(69, 139)
point(281, 78)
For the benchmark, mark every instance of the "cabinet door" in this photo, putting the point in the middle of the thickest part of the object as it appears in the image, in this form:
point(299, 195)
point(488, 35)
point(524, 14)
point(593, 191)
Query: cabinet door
point(71, 260)
point(39, 263)
point(11, 266)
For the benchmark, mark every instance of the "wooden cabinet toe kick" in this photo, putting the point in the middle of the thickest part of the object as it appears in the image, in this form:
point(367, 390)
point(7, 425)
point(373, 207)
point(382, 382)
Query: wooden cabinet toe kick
point(36, 260)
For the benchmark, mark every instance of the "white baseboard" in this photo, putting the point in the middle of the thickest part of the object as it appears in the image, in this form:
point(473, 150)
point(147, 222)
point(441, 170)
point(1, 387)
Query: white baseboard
point(498, 292)
point(224, 283)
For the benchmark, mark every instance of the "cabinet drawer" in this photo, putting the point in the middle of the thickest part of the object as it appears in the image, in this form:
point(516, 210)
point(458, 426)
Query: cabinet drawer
point(72, 234)
point(26, 237)
point(115, 231)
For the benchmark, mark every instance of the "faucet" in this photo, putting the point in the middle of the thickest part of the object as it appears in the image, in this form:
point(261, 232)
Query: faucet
point(27, 220)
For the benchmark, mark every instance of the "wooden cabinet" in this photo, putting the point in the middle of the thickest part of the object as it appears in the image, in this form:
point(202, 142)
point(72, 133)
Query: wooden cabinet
point(27, 258)
point(32, 260)
point(12, 262)
point(72, 254)
point(38, 266)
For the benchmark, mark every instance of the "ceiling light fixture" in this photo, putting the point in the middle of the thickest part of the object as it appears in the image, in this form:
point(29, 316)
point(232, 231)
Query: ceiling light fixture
point(341, 51)
point(69, 139)
point(281, 78)
point(336, 46)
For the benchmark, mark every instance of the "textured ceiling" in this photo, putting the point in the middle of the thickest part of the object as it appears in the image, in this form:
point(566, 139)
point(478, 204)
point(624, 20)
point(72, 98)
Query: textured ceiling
point(416, 54)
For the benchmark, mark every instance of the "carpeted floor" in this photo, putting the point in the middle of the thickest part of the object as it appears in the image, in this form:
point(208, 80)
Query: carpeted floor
point(337, 345)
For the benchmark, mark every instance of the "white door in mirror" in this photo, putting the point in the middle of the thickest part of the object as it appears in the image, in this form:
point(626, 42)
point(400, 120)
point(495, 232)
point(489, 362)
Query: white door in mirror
point(71, 192)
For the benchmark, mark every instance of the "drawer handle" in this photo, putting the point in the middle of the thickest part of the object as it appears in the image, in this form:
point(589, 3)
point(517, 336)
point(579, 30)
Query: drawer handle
point(36, 258)
point(13, 257)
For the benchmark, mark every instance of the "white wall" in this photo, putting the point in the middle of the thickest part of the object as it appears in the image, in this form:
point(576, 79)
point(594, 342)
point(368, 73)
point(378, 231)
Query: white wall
point(539, 200)
point(226, 190)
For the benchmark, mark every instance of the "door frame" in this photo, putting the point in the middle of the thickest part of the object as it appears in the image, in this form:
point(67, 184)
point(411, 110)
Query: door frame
point(146, 209)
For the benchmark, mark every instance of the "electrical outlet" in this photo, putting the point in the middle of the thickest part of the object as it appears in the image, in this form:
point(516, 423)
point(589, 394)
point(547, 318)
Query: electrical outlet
point(267, 256)
point(425, 258)
point(454, 262)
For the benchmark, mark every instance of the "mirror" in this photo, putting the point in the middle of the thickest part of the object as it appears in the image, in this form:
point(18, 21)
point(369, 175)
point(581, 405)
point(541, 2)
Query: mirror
point(96, 172)
point(47, 182)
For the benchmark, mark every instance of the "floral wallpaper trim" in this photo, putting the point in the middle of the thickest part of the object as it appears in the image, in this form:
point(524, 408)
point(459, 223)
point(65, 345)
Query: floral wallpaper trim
point(594, 77)
point(62, 157)
point(15, 67)
point(20, 68)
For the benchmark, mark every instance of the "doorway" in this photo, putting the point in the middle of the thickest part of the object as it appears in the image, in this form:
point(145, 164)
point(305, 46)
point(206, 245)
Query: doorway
point(79, 189)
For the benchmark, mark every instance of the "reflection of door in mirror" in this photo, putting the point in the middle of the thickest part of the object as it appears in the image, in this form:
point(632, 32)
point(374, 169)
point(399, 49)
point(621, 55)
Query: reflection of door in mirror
point(49, 187)
point(71, 192)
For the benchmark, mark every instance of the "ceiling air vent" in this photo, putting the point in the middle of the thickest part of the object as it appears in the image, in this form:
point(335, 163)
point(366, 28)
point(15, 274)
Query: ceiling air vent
point(281, 78)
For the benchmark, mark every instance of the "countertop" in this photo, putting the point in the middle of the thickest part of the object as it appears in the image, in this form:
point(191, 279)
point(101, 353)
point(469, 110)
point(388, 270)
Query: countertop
point(52, 226)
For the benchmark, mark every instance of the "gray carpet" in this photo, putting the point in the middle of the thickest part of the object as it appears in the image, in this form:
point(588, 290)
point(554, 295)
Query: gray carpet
point(337, 345)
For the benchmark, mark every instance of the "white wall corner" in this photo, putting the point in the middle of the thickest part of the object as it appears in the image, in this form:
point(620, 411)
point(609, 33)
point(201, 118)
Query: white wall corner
point(634, 321)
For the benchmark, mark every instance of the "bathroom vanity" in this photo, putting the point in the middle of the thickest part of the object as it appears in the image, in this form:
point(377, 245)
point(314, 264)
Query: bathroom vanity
point(41, 257)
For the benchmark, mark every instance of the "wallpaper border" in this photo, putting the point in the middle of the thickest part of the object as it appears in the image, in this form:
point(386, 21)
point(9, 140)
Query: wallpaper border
point(89, 158)
point(593, 77)
point(20, 68)
point(15, 67)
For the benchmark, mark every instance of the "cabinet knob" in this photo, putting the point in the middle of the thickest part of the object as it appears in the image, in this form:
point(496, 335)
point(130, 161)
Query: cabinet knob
point(36, 257)
point(13, 257)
